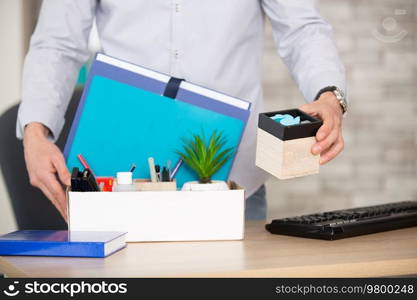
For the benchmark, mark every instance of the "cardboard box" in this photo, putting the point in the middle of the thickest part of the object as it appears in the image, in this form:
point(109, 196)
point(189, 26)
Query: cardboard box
point(285, 151)
point(161, 215)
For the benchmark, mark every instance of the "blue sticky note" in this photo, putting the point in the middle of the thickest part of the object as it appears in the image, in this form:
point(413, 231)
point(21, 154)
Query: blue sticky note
point(297, 120)
point(290, 120)
point(277, 117)
point(287, 121)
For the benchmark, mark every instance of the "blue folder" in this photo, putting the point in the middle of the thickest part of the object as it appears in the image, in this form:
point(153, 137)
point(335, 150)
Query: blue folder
point(61, 243)
point(123, 118)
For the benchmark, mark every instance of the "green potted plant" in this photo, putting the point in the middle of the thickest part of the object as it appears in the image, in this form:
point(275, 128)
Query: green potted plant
point(205, 157)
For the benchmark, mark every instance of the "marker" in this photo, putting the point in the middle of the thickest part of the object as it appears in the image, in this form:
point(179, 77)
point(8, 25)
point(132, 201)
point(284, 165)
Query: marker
point(169, 168)
point(165, 174)
point(158, 173)
point(152, 169)
point(175, 171)
point(85, 164)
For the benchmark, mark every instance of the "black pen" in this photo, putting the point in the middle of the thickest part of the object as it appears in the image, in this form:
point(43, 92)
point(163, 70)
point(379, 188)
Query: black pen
point(132, 168)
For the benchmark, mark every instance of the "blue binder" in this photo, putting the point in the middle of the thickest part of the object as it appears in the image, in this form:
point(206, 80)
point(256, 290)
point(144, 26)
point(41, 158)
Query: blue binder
point(124, 118)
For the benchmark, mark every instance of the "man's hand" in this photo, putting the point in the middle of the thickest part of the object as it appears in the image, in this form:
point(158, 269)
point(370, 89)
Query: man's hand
point(46, 165)
point(329, 137)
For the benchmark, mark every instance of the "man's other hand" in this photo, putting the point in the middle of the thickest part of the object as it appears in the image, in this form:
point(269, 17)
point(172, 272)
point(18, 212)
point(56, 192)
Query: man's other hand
point(329, 139)
point(46, 166)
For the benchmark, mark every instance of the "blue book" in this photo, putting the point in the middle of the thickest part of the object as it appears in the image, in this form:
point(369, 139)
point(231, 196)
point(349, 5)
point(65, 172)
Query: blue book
point(61, 243)
point(126, 115)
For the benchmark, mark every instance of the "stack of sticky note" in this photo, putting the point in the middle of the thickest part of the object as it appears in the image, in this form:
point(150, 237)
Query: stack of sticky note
point(286, 119)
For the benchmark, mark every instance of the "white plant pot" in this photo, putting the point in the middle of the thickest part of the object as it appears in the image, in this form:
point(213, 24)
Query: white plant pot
point(215, 185)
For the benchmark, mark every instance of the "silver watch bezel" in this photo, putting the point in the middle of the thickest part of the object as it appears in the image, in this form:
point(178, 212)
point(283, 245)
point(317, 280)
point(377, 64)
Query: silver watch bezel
point(340, 96)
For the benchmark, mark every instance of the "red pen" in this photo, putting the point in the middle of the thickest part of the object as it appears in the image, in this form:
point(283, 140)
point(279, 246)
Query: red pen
point(85, 164)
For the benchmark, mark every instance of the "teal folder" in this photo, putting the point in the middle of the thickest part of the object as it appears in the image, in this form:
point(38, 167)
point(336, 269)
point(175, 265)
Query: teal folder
point(123, 118)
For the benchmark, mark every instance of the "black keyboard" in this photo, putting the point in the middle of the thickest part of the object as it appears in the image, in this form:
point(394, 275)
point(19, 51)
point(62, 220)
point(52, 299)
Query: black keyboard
point(341, 224)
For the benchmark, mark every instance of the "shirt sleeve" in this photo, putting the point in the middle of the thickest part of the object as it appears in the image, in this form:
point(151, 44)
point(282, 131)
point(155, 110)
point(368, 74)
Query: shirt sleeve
point(58, 48)
point(306, 45)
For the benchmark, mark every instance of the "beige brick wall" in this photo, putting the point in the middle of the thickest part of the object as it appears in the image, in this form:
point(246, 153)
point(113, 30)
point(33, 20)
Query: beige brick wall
point(379, 163)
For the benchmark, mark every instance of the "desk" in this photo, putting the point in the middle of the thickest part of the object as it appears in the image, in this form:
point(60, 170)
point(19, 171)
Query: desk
point(260, 255)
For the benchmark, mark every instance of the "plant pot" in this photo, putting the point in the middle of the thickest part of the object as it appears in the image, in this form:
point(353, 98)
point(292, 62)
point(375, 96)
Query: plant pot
point(215, 185)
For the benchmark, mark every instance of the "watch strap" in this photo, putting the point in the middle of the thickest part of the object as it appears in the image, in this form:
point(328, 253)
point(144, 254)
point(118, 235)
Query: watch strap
point(324, 90)
point(338, 93)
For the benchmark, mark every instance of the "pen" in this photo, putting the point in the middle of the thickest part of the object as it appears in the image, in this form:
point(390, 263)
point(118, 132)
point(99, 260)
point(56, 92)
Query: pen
point(85, 164)
point(132, 168)
point(175, 171)
point(152, 169)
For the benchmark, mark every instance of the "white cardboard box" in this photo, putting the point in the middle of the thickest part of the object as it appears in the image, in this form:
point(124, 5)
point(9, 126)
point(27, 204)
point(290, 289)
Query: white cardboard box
point(161, 215)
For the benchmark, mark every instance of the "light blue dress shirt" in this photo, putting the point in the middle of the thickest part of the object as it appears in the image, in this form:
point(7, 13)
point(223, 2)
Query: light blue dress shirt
point(214, 43)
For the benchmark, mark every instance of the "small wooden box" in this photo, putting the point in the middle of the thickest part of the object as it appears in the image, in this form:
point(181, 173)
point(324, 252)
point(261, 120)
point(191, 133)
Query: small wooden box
point(285, 151)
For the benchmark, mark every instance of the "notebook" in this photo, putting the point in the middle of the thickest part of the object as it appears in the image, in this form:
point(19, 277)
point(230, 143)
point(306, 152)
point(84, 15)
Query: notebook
point(61, 243)
point(128, 113)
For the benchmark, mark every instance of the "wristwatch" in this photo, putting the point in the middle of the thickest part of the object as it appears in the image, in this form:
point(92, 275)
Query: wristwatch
point(340, 96)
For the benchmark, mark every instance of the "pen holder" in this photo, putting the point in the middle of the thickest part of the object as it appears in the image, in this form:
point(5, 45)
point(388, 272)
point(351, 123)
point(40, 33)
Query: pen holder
point(146, 185)
point(285, 151)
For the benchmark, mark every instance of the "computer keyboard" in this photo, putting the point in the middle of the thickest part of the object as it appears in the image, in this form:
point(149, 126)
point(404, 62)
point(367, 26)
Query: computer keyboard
point(340, 224)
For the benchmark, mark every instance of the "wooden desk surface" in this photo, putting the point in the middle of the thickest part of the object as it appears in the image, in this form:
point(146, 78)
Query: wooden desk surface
point(260, 255)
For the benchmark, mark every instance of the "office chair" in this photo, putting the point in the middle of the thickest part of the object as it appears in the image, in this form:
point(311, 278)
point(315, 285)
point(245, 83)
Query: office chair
point(31, 208)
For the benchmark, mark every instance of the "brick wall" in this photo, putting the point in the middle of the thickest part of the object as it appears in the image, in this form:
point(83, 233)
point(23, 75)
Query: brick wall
point(377, 40)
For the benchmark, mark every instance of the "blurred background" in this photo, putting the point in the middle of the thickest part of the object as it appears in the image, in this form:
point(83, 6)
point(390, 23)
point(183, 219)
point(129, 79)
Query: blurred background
point(377, 40)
